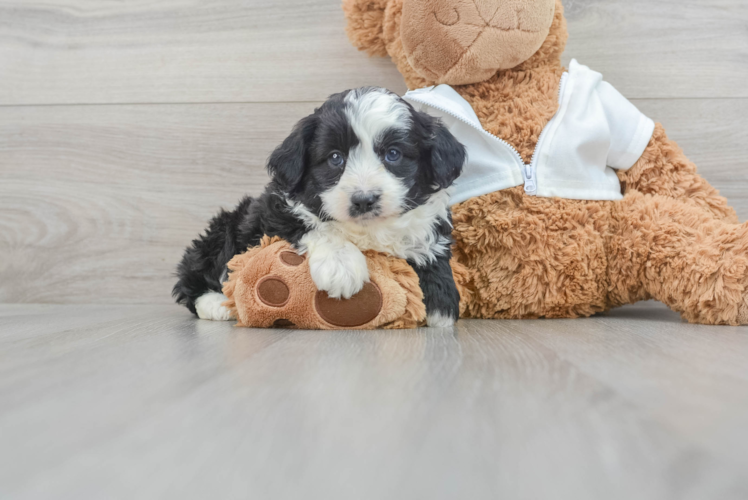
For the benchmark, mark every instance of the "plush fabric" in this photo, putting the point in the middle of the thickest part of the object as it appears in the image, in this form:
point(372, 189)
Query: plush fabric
point(672, 237)
point(365, 25)
point(455, 42)
point(270, 286)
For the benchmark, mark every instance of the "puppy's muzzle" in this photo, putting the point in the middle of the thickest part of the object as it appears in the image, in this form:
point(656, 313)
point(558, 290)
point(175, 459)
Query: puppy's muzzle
point(364, 203)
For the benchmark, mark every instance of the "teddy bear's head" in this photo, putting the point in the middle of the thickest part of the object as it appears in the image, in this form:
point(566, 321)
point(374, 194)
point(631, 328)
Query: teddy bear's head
point(457, 42)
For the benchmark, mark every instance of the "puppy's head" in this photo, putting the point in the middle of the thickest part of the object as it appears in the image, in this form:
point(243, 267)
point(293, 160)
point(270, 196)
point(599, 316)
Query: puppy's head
point(365, 155)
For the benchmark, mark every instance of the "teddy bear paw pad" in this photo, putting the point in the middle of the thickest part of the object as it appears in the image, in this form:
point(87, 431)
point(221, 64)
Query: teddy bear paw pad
point(273, 292)
point(356, 311)
point(291, 258)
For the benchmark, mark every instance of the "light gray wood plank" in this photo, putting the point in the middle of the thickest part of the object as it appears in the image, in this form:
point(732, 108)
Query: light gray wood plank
point(89, 51)
point(147, 402)
point(98, 202)
point(709, 131)
point(663, 48)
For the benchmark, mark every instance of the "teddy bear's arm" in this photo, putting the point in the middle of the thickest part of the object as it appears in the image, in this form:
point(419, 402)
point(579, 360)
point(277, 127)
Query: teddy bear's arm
point(271, 286)
point(665, 170)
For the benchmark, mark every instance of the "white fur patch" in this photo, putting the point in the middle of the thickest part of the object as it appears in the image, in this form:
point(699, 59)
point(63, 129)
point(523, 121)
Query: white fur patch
point(437, 320)
point(209, 306)
point(336, 265)
point(371, 112)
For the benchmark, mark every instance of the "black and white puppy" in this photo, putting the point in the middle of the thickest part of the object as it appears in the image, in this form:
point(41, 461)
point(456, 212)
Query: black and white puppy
point(364, 171)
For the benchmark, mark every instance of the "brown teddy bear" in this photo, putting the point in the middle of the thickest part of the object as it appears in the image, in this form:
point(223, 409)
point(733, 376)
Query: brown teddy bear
point(548, 237)
point(572, 201)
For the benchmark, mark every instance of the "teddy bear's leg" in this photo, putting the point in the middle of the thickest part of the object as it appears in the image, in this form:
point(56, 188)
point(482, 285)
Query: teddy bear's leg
point(525, 256)
point(663, 169)
point(679, 254)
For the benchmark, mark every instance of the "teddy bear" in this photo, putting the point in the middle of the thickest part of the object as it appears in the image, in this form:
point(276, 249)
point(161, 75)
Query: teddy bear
point(572, 201)
point(562, 243)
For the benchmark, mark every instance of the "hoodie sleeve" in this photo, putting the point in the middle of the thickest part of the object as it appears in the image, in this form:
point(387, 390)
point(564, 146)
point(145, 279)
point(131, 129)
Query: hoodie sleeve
point(630, 129)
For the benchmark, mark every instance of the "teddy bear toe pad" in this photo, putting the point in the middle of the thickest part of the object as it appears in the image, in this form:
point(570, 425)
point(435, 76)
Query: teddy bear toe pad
point(291, 258)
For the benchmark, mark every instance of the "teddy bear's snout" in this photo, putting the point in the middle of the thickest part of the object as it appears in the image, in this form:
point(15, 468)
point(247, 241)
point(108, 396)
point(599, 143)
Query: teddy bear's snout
point(467, 41)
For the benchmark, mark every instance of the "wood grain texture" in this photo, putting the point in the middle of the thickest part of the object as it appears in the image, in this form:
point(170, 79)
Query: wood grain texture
point(708, 130)
point(663, 48)
point(166, 51)
point(98, 202)
point(159, 51)
point(149, 403)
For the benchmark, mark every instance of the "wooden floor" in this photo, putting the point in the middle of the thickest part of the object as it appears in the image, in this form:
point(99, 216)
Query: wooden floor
point(146, 402)
point(125, 125)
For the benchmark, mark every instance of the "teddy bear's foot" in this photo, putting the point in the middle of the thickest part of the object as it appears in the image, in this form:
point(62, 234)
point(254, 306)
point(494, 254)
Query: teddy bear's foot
point(270, 286)
point(681, 255)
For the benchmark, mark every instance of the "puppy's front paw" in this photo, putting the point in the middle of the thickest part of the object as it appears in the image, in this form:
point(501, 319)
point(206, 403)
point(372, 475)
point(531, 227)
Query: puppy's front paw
point(341, 273)
point(439, 320)
point(210, 306)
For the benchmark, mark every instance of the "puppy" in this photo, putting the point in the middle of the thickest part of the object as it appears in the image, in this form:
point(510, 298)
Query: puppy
point(364, 171)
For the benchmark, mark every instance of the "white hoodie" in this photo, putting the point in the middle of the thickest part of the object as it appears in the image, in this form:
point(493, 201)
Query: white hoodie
point(594, 131)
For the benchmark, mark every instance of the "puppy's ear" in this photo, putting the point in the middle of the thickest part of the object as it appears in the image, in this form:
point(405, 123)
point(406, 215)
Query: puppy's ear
point(289, 161)
point(447, 154)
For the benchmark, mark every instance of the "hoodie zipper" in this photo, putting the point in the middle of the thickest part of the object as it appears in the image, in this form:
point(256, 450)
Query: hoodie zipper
point(529, 170)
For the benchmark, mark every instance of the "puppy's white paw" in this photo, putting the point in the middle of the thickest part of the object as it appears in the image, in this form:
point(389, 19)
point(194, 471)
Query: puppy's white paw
point(341, 273)
point(208, 306)
point(439, 320)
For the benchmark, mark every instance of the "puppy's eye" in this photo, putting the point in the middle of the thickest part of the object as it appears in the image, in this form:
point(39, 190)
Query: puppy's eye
point(393, 155)
point(336, 159)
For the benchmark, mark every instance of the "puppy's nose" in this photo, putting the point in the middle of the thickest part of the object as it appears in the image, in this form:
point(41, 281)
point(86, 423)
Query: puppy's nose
point(362, 203)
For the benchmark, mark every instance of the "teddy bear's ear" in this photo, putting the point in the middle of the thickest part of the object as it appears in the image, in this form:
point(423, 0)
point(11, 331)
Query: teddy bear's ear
point(366, 24)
